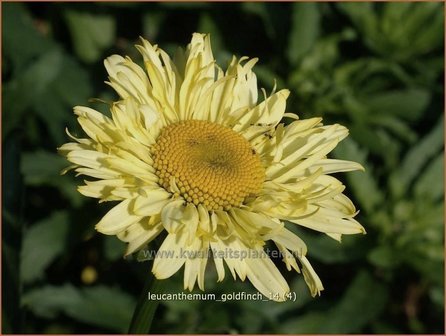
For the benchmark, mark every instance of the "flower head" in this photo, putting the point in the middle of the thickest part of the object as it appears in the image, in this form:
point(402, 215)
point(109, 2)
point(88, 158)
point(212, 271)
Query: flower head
point(190, 150)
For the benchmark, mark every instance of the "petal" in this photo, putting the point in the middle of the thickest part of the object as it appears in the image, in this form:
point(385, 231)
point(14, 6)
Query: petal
point(195, 265)
point(269, 112)
point(172, 215)
point(152, 204)
point(325, 222)
point(170, 256)
point(92, 159)
point(97, 126)
point(118, 219)
point(265, 276)
point(139, 234)
point(218, 261)
point(290, 241)
point(131, 168)
point(330, 166)
point(255, 223)
point(311, 278)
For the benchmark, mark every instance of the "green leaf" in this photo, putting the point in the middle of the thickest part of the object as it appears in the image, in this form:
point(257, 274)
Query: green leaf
point(114, 249)
point(430, 185)
point(383, 256)
point(21, 41)
point(73, 85)
point(48, 301)
point(91, 33)
point(305, 26)
point(393, 29)
point(42, 243)
point(308, 323)
point(145, 309)
point(207, 25)
point(436, 295)
point(363, 301)
point(22, 91)
point(394, 125)
point(329, 251)
point(262, 11)
point(404, 31)
point(268, 77)
point(43, 168)
point(432, 36)
point(363, 184)
point(13, 199)
point(416, 159)
point(105, 307)
point(99, 306)
point(407, 104)
point(364, 18)
point(151, 22)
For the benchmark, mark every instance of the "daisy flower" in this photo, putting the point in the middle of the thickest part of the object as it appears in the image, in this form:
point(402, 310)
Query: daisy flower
point(190, 150)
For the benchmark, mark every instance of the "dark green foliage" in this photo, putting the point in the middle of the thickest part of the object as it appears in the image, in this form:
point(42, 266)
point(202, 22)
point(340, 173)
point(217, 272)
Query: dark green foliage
point(377, 68)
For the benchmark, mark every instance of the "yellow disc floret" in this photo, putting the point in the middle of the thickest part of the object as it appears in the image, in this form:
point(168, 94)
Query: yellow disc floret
point(209, 163)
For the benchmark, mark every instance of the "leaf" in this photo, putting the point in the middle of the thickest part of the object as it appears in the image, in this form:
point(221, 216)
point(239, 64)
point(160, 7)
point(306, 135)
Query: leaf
point(114, 249)
point(207, 25)
point(73, 85)
point(12, 220)
point(105, 307)
point(305, 26)
point(261, 10)
point(432, 36)
point(416, 159)
point(407, 104)
point(308, 323)
point(99, 306)
point(329, 251)
point(21, 41)
point(430, 185)
point(363, 301)
point(363, 184)
point(91, 33)
point(21, 92)
point(152, 23)
point(43, 168)
point(394, 125)
point(268, 77)
point(383, 256)
point(404, 33)
point(48, 301)
point(42, 243)
point(377, 141)
point(363, 16)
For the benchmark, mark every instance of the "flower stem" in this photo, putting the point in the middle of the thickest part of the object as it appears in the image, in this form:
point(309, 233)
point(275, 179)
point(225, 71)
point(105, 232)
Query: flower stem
point(145, 308)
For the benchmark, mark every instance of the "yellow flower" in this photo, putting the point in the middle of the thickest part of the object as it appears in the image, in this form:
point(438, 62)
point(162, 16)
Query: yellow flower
point(190, 150)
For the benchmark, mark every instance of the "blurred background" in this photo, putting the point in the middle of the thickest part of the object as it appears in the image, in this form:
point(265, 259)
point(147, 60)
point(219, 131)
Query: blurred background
point(377, 68)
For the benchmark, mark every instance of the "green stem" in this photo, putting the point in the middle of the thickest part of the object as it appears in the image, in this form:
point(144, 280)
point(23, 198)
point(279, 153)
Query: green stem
point(145, 309)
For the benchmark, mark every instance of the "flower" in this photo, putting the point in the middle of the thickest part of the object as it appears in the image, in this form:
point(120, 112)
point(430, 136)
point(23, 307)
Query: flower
point(189, 150)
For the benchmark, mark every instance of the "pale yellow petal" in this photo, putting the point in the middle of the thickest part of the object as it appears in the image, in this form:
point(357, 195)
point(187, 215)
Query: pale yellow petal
point(290, 241)
point(139, 234)
point(324, 222)
point(311, 278)
point(172, 215)
point(152, 204)
point(169, 258)
point(269, 112)
point(118, 219)
point(265, 276)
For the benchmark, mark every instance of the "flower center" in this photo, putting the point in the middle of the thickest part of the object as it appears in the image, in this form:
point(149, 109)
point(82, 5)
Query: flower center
point(211, 164)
